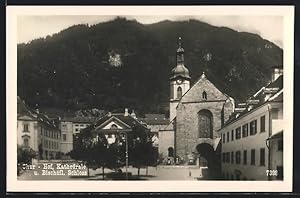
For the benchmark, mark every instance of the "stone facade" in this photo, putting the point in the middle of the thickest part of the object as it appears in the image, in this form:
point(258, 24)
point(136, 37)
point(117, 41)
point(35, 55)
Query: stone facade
point(203, 95)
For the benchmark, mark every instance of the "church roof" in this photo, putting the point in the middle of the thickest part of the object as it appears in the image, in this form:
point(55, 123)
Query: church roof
point(180, 71)
point(199, 89)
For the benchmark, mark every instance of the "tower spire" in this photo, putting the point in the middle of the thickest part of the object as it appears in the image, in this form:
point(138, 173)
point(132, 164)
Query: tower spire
point(180, 53)
point(179, 42)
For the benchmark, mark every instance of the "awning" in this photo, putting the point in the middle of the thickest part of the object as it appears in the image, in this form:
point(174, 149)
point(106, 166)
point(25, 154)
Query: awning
point(279, 134)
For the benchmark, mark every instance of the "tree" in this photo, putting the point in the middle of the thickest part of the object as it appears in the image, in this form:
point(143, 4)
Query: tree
point(24, 155)
point(144, 154)
point(141, 152)
point(92, 148)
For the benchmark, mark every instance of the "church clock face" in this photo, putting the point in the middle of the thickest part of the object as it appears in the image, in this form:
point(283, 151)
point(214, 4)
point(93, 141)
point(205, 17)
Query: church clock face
point(179, 81)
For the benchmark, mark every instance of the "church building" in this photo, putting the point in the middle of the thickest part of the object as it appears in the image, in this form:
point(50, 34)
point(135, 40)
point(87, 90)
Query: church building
point(197, 113)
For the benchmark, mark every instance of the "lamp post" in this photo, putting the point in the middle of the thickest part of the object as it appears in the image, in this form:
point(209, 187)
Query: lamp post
point(126, 155)
point(126, 152)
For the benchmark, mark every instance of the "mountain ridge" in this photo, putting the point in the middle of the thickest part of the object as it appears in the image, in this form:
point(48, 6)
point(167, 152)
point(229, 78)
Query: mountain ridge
point(122, 63)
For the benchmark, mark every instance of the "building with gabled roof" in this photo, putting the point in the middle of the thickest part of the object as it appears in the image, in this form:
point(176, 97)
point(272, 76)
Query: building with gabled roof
point(252, 139)
point(112, 125)
point(196, 114)
point(37, 131)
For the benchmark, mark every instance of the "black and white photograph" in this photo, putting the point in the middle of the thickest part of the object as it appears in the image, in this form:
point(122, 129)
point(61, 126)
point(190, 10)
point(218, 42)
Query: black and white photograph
point(141, 94)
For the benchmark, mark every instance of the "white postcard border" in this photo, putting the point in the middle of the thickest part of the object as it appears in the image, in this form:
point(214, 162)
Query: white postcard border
point(14, 185)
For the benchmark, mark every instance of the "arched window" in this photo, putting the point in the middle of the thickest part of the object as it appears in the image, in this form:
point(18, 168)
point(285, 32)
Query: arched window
point(179, 92)
point(170, 152)
point(205, 125)
point(204, 95)
point(113, 126)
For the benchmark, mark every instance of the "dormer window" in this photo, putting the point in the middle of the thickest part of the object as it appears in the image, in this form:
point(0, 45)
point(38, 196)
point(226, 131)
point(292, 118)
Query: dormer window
point(204, 95)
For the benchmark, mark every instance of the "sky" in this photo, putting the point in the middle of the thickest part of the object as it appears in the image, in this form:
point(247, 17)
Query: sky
point(32, 27)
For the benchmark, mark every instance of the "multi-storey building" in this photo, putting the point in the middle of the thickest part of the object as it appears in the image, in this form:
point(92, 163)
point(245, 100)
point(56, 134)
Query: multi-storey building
point(36, 131)
point(155, 122)
point(70, 126)
point(252, 139)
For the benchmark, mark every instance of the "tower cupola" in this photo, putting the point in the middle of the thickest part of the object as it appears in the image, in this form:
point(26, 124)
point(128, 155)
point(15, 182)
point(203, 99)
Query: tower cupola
point(180, 70)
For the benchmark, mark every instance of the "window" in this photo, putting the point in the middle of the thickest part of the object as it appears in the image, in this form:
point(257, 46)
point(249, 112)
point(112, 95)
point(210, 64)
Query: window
point(204, 95)
point(262, 156)
point(179, 92)
point(205, 125)
point(26, 142)
point(232, 157)
point(64, 137)
point(253, 157)
point(245, 157)
point(237, 176)
point(238, 133)
point(262, 124)
point(280, 173)
point(280, 145)
point(227, 136)
point(253, 127)
point(113, 126)
point(76, 129)
point(109, 136)
point(232, 135)
point(228, 157)
point(238, 157)
point(245, 130)
point(25, 128)
point(223, 137)
point(232, 178)
point(223, 157)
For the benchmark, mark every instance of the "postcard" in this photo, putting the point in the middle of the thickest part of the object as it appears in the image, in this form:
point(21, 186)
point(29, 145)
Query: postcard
point(150, 98)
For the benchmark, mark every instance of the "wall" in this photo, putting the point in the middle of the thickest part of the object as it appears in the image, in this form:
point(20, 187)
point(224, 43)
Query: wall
point(257, 141)
point(77, 126)
point(187, 129)
point(67, 129)
point(51, 141)
point(185, 86)
point(32, 132)
point(166, 140)
point(276, 156)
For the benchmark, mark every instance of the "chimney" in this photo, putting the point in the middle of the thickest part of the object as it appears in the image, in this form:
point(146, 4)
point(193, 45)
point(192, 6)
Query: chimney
point(126, 112)
point(133, 114)
point(109, 114)
point(276, 73)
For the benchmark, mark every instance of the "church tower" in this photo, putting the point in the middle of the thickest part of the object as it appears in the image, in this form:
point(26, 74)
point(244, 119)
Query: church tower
point(179, 81)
